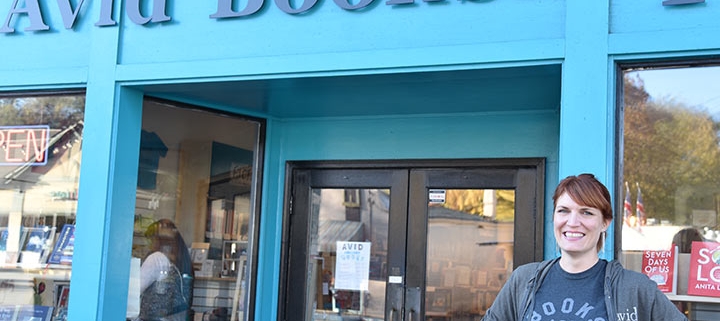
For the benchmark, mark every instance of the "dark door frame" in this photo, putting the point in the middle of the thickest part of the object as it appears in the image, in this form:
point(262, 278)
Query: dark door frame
point(531, 172)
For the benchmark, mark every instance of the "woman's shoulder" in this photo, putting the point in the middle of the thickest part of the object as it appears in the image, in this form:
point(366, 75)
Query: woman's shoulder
point(533, 268)
point(620, 274)
point(157, 258)
point(157, 255)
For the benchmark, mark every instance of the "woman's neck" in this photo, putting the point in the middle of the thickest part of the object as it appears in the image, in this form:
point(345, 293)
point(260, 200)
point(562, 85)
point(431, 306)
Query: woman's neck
point(573, 264)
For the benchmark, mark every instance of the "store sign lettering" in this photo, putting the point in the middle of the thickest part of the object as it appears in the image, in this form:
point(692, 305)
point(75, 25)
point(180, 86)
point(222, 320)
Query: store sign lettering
point(680, 2)
point(24, 145)
point(64, 196)
point(225, 9)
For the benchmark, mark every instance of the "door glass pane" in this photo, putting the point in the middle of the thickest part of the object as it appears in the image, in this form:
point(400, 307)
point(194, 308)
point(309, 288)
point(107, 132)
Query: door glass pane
point(348, 254)
point(469, 251)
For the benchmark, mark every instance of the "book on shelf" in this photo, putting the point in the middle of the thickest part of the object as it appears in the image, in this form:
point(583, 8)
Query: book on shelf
point(7, 312)
point(10, 245)
point(63, 296)
point(63, 251)
point(660, 266)
point(3, 238)
point(704, 261)
point(37, 243)
point(3, 244)
point(25, 313)
point(34, 313)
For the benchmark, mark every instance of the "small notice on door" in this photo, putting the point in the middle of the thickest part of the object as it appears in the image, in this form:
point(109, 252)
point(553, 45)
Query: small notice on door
point(436, 196)
point(352, 267)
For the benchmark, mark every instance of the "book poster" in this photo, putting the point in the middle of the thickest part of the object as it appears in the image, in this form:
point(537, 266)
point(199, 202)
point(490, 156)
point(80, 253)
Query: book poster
point(704, 277)
point(352, 268)
point(660, 266)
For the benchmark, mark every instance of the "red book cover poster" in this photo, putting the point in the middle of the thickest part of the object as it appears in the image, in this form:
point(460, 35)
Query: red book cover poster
point(660, 266)
point(704, 269)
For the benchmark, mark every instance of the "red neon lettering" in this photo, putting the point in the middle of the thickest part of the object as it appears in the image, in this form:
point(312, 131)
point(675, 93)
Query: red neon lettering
point(39, 151)
point(24, 145)
point(10, 145)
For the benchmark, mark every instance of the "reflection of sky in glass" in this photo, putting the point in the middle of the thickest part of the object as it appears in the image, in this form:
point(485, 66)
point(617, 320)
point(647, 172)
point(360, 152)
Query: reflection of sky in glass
point(698, 87)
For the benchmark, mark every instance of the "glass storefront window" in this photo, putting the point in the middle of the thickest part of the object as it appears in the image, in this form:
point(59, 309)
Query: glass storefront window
point(671, 182)
point(40, 156)
point(194, 215)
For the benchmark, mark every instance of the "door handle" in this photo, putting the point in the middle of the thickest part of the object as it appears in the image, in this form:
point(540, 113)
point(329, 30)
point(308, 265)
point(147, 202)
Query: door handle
point(395, 296)
point(412, 302)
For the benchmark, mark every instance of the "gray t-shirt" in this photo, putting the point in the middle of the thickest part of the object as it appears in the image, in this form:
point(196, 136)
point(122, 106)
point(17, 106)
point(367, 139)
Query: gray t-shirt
point(571, 296)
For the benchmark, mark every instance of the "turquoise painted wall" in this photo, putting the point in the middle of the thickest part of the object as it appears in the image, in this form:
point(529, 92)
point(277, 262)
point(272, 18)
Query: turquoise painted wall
point(329, 29)
point(656, 31)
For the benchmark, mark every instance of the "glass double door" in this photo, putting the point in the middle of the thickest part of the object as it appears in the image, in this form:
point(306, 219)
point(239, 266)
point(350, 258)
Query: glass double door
point(407, 243)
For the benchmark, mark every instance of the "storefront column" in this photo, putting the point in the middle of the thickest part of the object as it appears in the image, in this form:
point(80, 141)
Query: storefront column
point(103, 241)
point(587, 121)
point(103, 238)
point(268, 269)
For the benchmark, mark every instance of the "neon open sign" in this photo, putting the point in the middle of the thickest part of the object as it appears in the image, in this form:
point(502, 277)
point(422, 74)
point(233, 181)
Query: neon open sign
point(24, 145)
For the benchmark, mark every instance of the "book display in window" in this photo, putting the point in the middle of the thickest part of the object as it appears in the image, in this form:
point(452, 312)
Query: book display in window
point(63, 251)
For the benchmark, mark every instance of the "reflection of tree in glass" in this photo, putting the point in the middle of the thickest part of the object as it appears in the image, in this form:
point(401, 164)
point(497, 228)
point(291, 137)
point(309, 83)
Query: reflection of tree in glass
point(668, 147)
point(471, 202)
point(58, 111)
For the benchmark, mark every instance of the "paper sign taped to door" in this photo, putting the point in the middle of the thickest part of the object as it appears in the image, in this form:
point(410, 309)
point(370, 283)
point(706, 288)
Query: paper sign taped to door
point(436, 196)
point(352, 266)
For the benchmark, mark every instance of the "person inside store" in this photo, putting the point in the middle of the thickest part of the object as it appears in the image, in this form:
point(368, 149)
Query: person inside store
point(683, 239)
point(579, 285)
point(166, 275)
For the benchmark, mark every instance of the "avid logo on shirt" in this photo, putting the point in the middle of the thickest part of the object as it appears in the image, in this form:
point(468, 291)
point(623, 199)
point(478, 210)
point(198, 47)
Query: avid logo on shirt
point(628, 315)
point(568, 310)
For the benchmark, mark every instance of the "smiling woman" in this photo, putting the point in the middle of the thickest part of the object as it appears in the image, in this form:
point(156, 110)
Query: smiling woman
point(579, 232)
point(582, 214)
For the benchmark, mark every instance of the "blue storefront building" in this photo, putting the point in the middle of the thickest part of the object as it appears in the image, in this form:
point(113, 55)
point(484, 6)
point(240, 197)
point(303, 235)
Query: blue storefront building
point(277, 135)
